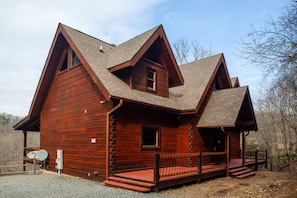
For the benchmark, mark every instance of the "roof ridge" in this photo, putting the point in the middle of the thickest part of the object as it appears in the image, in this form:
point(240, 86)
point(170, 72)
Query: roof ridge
point(201, 59)
point(139, 35)
point(63, 25)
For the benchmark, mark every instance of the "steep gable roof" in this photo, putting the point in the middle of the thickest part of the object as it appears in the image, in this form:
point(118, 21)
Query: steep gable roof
point(116, 88)
point(198, 76)
point(125, 52)
point(223, 109)
point(235, 82)
point(129, 53)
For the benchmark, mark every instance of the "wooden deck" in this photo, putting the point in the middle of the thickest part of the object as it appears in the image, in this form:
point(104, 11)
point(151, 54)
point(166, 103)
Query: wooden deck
point(143, 180)
point(148, 174)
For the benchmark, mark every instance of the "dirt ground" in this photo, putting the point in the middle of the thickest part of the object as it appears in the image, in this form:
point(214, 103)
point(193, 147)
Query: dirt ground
point(264, 184)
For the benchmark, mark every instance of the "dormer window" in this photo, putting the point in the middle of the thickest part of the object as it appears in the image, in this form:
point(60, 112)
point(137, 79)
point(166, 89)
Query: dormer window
point(151, 79)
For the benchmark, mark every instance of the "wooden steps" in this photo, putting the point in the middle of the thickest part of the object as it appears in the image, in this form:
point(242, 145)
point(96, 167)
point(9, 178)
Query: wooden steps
point(241, 172)
point(129, 184)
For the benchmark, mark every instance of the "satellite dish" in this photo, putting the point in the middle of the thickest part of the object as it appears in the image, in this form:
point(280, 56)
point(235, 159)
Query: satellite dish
point(41, 154)
point(31, 154)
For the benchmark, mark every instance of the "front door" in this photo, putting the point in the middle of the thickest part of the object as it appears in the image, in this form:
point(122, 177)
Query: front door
point(217, 141)
point(217, 144)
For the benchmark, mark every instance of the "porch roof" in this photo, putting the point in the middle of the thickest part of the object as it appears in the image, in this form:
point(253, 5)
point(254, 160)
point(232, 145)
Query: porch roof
point(229, 108)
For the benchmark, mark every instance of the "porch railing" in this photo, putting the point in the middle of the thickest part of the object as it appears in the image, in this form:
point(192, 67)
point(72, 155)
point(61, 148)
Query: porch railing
point(15, 166)
point(259, 157)
point(170, 165)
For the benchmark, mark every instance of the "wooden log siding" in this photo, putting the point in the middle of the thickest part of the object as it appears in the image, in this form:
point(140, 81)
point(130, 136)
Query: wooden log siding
point(139, 78)
point(129, 122)
point(71, 116)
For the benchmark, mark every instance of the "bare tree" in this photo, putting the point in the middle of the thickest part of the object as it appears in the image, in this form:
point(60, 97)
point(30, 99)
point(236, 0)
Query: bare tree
point(274, 48)
point(185, 52)
point(182, 50)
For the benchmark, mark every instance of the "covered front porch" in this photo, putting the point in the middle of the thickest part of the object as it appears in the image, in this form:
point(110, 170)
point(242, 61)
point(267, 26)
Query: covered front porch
point(175, 169)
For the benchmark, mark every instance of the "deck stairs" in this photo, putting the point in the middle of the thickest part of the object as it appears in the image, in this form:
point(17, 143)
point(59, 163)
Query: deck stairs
point(129, 184)
point(241, 172)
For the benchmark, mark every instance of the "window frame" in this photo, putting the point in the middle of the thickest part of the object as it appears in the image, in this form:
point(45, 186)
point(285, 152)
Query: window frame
point(68, 55)
point(63, 59)
point(157, 133)
point(152, 79)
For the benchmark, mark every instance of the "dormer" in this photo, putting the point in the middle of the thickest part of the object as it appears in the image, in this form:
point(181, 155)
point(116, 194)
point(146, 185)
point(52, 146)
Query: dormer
point(146, 63)
point(221, 79)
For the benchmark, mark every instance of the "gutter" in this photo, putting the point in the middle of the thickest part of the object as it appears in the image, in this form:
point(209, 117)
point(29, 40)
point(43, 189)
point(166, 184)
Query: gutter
point(107, 134)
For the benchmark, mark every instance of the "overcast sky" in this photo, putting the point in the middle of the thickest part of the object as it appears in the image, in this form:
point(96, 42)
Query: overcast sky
point(27, 28)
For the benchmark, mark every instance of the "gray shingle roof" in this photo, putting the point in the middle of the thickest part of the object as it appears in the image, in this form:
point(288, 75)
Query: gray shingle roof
point(127, 50)
point(234, 81)
point(186, 97)
point(223, 108)
point(197, 76)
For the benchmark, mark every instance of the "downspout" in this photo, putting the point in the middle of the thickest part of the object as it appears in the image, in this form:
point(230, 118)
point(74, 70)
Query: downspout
point(107, 134)
point(227, 149)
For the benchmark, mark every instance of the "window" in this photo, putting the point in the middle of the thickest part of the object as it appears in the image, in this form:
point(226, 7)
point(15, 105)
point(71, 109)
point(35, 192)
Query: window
point(64, 65)
point(151, 79)
point(150, 137)
point(70, 60)
point(75, 60)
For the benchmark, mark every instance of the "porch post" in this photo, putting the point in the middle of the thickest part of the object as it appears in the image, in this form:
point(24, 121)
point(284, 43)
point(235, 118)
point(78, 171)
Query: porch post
point(227, 148)
point(266, 158)
point(156, 168)
point(24, 152)
point(228, 152)
point(200, 163)
point(243, 149)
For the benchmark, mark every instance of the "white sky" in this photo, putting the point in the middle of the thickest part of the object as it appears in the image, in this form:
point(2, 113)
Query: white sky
point(27, 28)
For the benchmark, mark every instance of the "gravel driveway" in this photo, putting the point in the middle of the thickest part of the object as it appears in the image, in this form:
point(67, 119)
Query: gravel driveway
point(53, 185)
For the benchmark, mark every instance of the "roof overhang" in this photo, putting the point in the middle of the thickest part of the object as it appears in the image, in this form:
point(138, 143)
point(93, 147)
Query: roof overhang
point(229, 108)
point(28, 124)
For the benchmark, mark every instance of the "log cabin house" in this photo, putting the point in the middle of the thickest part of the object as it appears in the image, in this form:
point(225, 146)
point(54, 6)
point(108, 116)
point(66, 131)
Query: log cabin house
point(129, 112)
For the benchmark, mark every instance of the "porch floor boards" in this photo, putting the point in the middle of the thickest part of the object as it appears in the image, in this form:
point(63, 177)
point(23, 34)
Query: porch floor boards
point(148, 174)
point(143, 180)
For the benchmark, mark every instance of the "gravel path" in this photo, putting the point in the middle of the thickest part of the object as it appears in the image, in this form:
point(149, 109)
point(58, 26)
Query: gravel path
point(64, 186)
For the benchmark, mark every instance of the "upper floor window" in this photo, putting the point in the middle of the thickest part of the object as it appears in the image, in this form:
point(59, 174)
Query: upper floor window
point(70, 60)
point(151, 79)
point(75, 59)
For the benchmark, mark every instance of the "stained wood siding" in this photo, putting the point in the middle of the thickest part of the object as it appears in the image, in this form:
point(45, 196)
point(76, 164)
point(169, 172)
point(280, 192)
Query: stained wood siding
point(139, 77)
point(129, 121)
point(72, 115)
point(234, 145)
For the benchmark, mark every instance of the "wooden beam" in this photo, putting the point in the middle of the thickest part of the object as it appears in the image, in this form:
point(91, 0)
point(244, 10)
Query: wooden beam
point(243, 149)
point(228, 153)
point(227, 149)
point(25, 145)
